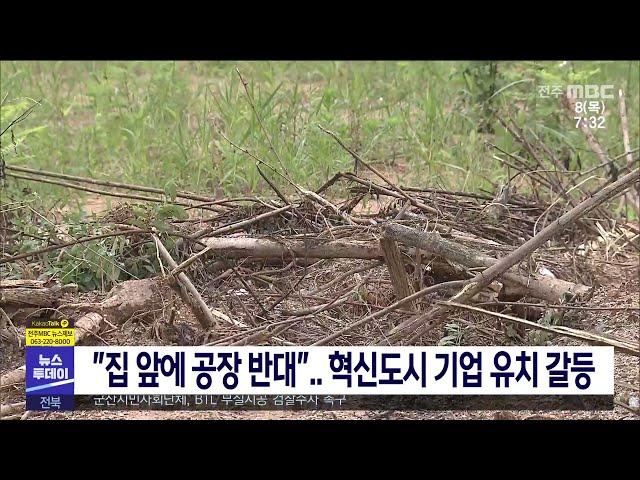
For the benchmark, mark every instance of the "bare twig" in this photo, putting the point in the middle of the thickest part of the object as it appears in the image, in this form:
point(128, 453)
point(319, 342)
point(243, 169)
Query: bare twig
point(232, 227)
point(563, 307)
point(21, 117)
point(60, 246)
point(126, 186)
point(108, 193)
point(623, 346)
point(272, 185)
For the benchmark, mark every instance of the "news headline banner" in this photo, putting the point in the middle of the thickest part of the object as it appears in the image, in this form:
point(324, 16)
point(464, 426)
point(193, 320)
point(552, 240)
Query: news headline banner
point(314, 378)
point(414, 371)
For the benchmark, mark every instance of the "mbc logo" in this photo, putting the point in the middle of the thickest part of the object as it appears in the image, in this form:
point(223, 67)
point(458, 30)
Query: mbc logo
point(589, 91)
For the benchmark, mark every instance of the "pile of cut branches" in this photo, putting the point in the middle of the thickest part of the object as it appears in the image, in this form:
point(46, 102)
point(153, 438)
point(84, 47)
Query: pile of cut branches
point(315, 269)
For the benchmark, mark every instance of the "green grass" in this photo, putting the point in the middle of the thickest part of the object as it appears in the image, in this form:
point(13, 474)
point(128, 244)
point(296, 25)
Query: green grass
point(158, 124)
point(155, 123)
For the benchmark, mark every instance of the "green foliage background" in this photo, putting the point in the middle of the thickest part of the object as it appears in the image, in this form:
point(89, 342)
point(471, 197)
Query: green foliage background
point(158, 123)
point(155, 123)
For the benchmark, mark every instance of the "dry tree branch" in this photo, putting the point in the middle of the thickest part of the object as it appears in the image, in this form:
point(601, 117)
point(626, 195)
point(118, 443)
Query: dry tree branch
point(105, 183)
point(21, 117)
point(273, 186)
point(60, 246)
point(201, 310)
point(421, 324)
point(433, 244)
point(623, 346)
point(110, 194)
point(562, 307)
point(226, 229)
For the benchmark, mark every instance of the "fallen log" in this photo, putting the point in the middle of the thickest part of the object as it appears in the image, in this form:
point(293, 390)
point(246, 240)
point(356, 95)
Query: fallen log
point(273, 252)
point(132, 298)
point(545, 288)
point(31, 293)
point(124, 301)
point(241, 247)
